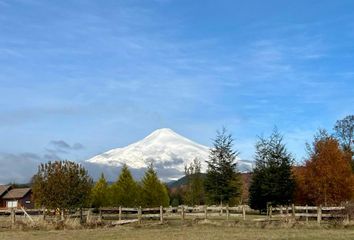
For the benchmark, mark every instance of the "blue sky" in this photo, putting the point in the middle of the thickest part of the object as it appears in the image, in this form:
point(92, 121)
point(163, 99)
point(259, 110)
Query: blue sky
point(80, 77)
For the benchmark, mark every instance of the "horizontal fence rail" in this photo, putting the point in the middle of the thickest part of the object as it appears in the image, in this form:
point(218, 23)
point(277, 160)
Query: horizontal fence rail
point(307, 212)
point(123, 215)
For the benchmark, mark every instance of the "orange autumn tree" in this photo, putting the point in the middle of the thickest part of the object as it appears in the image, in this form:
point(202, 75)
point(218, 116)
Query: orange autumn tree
point(301, 189)
point(326, 177)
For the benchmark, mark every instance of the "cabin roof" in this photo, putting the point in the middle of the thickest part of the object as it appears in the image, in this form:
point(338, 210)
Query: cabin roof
point(16, 193)
point(4, 189)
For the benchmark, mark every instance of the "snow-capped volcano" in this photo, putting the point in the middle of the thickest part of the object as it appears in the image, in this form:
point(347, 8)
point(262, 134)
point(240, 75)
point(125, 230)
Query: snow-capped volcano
point(165, 148)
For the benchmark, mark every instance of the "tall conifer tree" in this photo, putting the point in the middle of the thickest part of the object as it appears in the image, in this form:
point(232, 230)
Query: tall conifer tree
point(125, 191)
point(272, 179)
point(154, 193)
point(223, 182)
point(100, 193)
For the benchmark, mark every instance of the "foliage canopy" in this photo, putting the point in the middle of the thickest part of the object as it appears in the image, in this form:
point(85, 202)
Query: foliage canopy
point(272, 179)
point(125, 191)
point(223, 181)
point(194, 194)
point(61, 184)
point(154, 193)
point(326, 177)
point(100, 193)
point(344, 131)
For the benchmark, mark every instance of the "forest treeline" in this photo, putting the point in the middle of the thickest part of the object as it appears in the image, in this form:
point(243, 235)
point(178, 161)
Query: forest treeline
point(324, 177)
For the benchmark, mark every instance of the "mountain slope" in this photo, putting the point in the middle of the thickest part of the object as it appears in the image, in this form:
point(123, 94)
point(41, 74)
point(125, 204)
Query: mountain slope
point(182, 181)
point(165, 148)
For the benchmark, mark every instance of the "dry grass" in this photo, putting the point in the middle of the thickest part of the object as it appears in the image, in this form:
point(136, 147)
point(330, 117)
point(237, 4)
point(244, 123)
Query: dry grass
point(206, 231)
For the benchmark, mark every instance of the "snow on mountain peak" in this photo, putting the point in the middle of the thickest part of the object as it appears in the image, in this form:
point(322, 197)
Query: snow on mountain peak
point(162, 131)
point(164, 147)
point(162, 134)
point(169, 151)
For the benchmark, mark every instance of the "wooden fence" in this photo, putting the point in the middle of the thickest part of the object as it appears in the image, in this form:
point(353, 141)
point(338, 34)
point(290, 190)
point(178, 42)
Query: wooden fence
point(318, 213)
point(161, 213)
point(123, 215)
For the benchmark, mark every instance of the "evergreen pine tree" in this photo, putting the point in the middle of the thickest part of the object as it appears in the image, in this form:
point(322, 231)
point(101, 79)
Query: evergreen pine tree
point(100, 194)
point(223, 182)
point(154, 193)
point(125, 191)
point(272, 179)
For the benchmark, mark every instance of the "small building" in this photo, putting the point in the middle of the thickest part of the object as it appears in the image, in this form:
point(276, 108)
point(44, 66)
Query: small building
point(15, 197)
point(3, 190)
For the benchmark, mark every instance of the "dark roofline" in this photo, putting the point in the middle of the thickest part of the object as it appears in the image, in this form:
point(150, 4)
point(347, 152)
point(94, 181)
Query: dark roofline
point(6, 188)
point(16, 193)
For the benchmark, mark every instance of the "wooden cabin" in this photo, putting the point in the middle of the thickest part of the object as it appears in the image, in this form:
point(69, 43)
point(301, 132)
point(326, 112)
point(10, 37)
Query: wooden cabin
point(15, 197)
point(3, 190)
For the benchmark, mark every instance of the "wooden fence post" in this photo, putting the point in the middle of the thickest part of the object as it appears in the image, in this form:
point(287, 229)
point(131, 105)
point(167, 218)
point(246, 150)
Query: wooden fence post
point(227, 212)
point(281, 210)
point(100, 215)
point(243, 212)
point(62, 215)
point(293, 211)
point(140, 212)
point(205, 212)
point(287, 212)
point(319, 214)
point(88, 216)
point(13, 217)
point(120, 213)
point(270, 211)
point(307, 214)
point(161, 214)
point(44, 214)
point(81, 216)
point(182, 213)
point(267, 208)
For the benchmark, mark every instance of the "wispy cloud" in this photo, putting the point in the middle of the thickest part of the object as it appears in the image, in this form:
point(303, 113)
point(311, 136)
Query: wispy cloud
point(20, 167)
point(60, 144)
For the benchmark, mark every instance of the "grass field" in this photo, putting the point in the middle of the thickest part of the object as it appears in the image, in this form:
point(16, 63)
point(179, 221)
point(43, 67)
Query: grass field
point(193, 232)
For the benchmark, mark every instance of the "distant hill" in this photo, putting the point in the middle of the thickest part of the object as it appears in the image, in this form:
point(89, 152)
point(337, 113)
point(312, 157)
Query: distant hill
point(180, 182)
point(246, 178)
